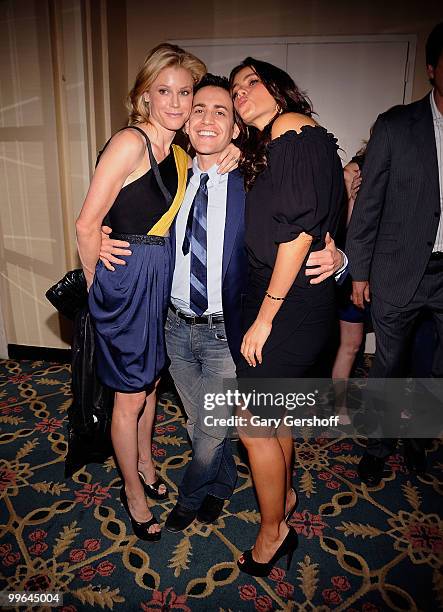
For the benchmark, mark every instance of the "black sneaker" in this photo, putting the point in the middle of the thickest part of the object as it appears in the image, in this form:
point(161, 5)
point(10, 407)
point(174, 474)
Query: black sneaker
point(210, 509)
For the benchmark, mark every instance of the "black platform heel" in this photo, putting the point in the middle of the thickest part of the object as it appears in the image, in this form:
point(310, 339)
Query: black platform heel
point(152, 490)
point(141, 530)
point(247, 564)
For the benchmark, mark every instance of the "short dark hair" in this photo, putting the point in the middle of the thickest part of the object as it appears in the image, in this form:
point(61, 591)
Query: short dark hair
point(434, 45)
point(213, 80)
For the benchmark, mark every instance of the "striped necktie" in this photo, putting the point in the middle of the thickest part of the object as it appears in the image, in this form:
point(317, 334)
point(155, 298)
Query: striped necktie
point(195, 241)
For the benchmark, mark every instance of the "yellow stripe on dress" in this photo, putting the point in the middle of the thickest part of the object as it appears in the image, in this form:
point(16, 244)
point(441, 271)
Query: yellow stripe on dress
point(162, 226)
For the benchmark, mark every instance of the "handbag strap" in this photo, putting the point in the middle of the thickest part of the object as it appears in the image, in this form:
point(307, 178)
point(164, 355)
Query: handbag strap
point(162, 226)
point(154, 165)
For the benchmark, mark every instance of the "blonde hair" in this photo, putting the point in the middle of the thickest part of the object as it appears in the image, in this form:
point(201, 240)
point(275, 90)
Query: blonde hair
point(162, 56)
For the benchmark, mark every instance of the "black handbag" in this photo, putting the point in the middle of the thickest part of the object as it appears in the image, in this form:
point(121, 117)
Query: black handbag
point(70, 294)
point(90, 414)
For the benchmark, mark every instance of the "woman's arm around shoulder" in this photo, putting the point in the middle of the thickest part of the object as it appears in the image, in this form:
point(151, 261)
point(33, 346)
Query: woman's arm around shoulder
point(290, 122)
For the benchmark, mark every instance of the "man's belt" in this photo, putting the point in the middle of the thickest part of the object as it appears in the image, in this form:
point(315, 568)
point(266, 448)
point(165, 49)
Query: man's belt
point(195, 320)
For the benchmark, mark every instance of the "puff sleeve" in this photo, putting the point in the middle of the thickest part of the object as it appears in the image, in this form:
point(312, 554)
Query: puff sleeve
point(303, 167)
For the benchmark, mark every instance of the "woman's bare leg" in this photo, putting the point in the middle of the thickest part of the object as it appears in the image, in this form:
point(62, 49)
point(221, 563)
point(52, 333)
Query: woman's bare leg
point(268, 468)
point(351, 337)
point(127, 407)
point(145, 427)
point(287, 445)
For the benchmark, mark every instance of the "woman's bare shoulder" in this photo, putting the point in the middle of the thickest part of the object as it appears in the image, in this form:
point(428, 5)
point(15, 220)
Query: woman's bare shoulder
point(128, 145)
point(290, 121)
point(130, 139)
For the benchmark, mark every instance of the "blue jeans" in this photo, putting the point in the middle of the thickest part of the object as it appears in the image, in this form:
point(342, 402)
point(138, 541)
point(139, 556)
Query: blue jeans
point(200, 359)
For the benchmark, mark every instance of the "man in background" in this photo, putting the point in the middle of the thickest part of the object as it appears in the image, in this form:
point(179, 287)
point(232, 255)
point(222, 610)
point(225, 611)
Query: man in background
point(395, 240)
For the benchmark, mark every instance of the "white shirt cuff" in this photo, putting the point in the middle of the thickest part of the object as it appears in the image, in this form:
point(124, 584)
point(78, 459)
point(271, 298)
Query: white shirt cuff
point(341, 270)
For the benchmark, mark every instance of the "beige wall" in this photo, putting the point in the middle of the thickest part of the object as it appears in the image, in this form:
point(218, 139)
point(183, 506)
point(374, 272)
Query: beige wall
point(32, 251)
point(118, 61)
point(251, 18)
point(63, 79)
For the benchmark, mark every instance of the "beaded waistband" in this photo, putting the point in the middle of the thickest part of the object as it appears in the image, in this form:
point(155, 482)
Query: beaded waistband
point(139, 238)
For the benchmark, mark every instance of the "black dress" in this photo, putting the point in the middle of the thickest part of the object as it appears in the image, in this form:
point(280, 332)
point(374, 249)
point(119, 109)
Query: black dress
point(300, 190)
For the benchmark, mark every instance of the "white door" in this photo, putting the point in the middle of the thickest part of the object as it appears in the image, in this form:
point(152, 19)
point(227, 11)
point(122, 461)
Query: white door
point(350, 80)
point(221, 58)
point(350, 84)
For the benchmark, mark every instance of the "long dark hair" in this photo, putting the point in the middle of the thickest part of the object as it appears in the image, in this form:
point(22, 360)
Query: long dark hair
point(288, 98)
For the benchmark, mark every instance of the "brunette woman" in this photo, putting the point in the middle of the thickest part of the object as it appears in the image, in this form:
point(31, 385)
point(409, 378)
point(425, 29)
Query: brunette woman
point(294, 180)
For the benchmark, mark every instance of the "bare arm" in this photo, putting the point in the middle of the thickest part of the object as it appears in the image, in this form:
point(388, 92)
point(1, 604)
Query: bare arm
point(352, 176)
point(120, 159)
point(290, 257)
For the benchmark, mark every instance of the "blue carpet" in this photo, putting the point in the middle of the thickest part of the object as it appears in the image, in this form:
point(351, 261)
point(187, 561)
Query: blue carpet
point(361, 549)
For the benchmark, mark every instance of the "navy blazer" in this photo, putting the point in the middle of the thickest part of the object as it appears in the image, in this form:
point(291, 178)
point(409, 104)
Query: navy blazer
point(235, 263)
point(234, 266)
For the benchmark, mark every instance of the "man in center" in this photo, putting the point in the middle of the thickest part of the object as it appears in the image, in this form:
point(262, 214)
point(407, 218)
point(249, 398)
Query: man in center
point(202, 347)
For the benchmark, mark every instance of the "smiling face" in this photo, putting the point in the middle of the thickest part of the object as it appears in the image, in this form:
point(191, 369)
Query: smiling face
point(211, 125)
point(252, 100)
point(170, 98)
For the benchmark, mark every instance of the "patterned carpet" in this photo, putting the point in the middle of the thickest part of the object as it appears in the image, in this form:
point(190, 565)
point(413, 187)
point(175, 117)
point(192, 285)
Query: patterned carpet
point(360, 550)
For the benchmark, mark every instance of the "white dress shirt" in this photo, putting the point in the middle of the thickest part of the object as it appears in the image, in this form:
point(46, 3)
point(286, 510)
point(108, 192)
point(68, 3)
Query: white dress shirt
point(437, 118)
point(217, 186)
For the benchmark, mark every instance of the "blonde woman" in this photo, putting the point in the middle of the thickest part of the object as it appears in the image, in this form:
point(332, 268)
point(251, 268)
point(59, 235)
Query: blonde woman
point(137, 189)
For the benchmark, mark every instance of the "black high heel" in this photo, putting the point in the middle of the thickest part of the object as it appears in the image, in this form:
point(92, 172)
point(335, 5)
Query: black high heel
point(152, 490)
point(141, 530)
point(254, 568)
point(290, 512)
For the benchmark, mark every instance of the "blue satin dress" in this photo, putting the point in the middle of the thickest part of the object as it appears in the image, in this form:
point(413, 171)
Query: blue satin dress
point(129, 306)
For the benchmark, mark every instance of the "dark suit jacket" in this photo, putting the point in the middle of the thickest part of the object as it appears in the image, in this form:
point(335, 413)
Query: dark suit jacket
point(234, 266)
point(235, 263)
point(395, 218)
